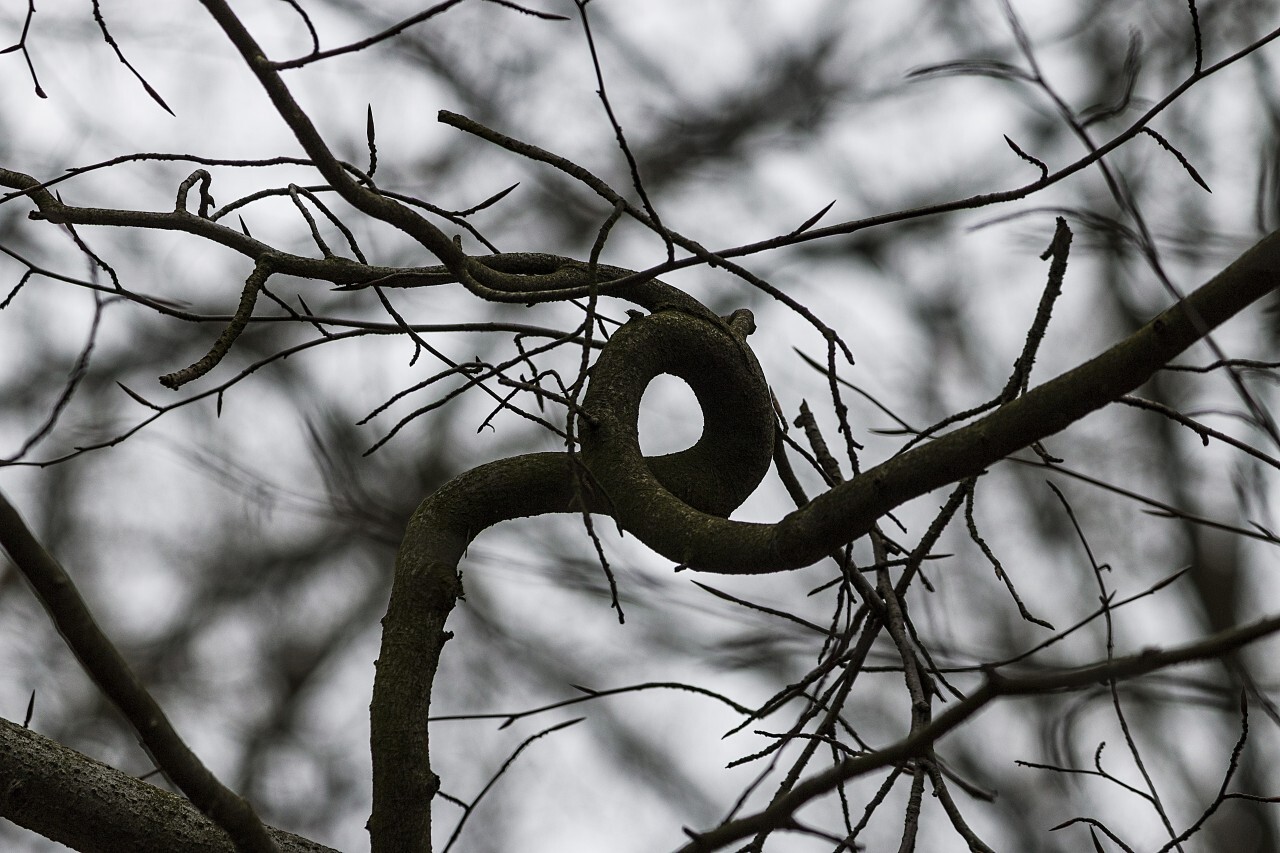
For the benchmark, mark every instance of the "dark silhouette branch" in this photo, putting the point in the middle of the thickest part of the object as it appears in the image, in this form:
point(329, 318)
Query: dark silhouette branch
point(483, 281)
point(72, 799)
point(715, 475)
point(994, 686)
point(849, 510)
point(248, 298)
point(678, 504)
point(109, 670)
point(681, 517)
point(335, 269)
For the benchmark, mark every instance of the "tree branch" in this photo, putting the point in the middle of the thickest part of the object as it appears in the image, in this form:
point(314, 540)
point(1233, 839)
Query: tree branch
point(994, 685)
point(675, 511)
point(848, 511)
point(716, 474)
point(481, 280)
point(109, 670)
point(89, 806)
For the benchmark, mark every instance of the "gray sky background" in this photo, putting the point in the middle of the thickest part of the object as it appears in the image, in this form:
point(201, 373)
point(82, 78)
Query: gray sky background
point(935, 311)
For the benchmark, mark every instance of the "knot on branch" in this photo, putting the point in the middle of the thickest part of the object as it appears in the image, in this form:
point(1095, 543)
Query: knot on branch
point(736, 448)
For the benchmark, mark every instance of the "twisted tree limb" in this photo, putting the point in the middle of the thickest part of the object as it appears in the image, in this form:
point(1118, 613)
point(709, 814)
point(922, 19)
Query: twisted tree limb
point(86, 805)
point(678, 505)
point(715, 475)
point(702, 541)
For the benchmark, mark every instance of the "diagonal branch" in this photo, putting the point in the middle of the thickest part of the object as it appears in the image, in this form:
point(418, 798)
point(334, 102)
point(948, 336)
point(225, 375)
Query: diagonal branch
point(994, 686)
point(109, 670)
point(86, 805)
point(849, 510)
point(481, 280)
point(676, 511)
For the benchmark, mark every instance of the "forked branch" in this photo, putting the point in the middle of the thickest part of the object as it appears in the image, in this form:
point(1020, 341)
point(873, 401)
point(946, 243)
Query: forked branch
point(674, 506)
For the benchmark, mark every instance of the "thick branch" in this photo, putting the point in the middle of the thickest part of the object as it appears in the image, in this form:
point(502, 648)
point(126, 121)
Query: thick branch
point(715, 475)
point(109, 670)
point(675, 512)
point(88, 806)
point(848, 511)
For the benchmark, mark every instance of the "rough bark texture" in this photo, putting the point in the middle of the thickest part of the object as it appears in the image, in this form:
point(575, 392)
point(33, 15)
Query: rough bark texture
point(715, 475)
point(72, 799)
point(678, 505)
point(849, 510)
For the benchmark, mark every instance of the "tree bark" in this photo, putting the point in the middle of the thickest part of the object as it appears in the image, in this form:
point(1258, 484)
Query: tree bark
point(72, 799)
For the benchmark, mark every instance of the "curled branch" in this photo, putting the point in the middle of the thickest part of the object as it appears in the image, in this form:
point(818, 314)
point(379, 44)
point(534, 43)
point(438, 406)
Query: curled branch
point(248, 298)
point(678, 504)
point(714, 476)
point(849, 510)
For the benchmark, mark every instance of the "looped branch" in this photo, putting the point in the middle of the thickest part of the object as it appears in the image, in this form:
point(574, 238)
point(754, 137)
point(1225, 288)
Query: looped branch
point(203, 179)
point(677, 504)
point(248, 298)
point(713, 477)
point(736, 448)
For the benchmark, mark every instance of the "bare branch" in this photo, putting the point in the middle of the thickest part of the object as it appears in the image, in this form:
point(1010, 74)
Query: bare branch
point(993, 687)
point(109, 670)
